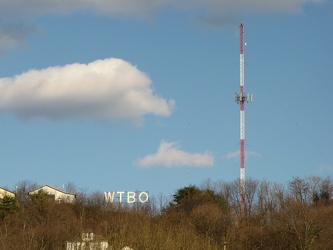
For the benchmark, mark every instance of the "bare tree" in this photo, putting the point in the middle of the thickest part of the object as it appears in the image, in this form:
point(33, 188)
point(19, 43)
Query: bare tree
point(314, 187)
point(265, 200)
point(23, 188)
point(230, 191)
point(326, 189)
point(96, 199)
point(299, 189)
point(250, 195)
point(70, 187)
point(299, 223)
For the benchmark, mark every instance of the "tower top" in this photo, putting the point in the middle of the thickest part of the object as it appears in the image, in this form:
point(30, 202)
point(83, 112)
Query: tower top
point(241, 35)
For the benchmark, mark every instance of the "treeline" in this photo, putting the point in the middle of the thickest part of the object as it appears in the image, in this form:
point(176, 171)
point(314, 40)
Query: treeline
point(296, 215)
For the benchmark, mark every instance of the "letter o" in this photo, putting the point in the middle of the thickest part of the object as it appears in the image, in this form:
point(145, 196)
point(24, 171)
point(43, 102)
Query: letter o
point(145, 194)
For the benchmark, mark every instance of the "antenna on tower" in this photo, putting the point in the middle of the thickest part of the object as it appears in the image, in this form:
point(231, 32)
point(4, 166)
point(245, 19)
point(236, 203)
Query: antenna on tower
point(241, 98)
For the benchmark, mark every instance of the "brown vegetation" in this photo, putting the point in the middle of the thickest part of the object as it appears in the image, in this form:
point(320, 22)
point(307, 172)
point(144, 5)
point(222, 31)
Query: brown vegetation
point(298, 215)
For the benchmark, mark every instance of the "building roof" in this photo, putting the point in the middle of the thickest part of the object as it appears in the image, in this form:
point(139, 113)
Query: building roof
point(56, 189)
point(4, 190)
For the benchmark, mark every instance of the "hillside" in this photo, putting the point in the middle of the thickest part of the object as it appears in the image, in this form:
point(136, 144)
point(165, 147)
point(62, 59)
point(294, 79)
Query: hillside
point(297, 215)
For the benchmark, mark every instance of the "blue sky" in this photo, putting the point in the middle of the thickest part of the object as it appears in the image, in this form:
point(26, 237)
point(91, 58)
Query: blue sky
point(138, 95)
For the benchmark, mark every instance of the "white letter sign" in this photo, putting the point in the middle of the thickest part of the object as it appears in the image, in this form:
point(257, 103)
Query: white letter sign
point(128, 196)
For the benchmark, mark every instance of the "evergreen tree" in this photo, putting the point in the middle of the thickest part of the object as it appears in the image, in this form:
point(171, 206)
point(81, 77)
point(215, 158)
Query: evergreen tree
point(8, 205)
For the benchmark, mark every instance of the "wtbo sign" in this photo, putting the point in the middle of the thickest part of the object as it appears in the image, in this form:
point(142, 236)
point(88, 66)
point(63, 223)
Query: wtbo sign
point(128, 197)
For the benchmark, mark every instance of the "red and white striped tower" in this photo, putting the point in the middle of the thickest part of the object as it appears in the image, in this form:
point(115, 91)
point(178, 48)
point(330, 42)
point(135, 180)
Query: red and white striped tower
point(241, 99)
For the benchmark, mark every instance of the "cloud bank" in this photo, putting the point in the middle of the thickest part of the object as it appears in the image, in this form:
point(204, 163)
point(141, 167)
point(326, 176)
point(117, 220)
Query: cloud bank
point(147, 7)
point(104, 89)
point(16, 15)
point(169, 154)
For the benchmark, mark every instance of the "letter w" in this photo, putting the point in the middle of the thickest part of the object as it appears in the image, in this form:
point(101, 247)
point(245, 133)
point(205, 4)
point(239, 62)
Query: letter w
point(109, 196)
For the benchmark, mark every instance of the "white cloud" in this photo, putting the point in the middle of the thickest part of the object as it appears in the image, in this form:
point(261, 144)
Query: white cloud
point(147, 7)
point(239, 6)
point(17, 13)
point(232, 155)
point(236, 154)
point(103, 89)
point(169, 154)
point(126, 7)
point(325, 169)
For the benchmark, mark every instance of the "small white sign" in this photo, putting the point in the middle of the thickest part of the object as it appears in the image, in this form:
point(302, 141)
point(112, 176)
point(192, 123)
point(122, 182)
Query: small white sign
point(87, 244)
point(87, 236)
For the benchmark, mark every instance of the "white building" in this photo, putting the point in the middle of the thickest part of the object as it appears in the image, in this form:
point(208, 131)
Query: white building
point(59, 195)
point(4, 192)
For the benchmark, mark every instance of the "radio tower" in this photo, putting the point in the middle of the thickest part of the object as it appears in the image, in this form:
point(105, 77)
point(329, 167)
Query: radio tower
point(241, 99)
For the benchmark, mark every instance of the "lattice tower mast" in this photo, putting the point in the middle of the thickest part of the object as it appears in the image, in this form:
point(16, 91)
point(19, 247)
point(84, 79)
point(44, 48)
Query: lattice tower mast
point(241, 99)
